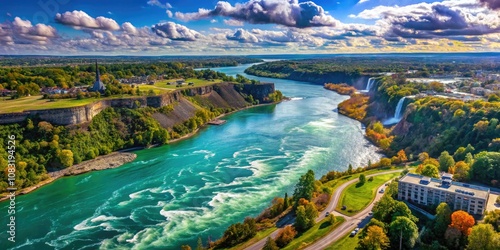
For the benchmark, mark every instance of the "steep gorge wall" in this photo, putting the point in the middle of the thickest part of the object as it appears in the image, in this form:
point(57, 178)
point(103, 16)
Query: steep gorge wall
point(224, 94)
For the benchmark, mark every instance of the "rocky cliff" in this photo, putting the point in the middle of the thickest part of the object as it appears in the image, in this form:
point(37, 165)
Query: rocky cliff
point(222, 95)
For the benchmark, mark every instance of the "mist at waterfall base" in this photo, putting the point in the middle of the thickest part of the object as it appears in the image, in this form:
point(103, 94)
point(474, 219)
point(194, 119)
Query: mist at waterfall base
point(398, 113)
point(172, 194)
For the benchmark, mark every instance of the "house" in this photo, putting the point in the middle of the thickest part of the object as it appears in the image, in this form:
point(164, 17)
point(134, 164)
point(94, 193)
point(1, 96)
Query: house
point(5, 92)
point(428, 191)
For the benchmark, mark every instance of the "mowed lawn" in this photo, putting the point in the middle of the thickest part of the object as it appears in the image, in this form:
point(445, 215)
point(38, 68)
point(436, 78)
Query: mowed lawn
point(356, 198)
point(195, 81)
point(318, 231)
point(36, 102)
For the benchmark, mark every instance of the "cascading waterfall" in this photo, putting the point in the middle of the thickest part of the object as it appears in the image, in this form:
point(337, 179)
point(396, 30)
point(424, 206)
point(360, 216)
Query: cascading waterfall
point(369, 85)
point(399, 108)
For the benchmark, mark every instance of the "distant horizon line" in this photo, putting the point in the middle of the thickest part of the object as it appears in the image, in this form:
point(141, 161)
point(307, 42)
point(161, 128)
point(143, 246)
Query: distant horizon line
point(248, 55)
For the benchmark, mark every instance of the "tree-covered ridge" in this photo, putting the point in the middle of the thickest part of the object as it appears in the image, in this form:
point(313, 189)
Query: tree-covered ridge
point(439, 124)
point(370, 65)
point(192, 61)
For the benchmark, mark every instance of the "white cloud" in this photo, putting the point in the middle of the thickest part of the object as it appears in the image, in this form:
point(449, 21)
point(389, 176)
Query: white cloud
point(175, 31)
point(79, 19)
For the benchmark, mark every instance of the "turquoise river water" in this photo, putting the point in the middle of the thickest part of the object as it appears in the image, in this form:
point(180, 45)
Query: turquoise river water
point(172, 194)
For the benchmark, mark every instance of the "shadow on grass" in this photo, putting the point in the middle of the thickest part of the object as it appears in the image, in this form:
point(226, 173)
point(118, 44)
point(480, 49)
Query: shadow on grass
point(359, 184)
point(324, 225)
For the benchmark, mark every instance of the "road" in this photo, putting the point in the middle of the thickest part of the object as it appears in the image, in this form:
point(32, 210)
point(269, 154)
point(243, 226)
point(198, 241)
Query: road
point(349, 224)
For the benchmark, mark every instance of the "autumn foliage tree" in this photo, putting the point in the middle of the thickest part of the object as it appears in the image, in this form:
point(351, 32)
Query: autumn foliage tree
point(375, 238)
point(462, 221)
point(285, 236)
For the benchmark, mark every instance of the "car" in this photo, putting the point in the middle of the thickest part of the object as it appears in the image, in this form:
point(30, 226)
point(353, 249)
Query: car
point(357, 229)
point(327, 213)
point(382, 191)
point(387, 184)
point(370, 213)
point(344, 207)
point(353, 233)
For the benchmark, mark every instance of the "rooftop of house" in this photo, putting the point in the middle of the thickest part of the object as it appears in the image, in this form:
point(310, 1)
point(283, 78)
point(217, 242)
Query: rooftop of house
point(448, 185)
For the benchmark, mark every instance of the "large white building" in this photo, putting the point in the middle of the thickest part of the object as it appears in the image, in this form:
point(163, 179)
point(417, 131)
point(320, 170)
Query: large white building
point(428, 191)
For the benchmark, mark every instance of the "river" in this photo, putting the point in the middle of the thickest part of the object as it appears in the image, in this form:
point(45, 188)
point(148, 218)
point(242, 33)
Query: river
point(172, 194)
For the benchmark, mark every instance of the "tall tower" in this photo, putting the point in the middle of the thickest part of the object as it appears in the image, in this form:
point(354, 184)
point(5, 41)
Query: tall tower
point(98, 85)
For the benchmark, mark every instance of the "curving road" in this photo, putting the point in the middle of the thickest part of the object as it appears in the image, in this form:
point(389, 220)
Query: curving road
point(358, 220)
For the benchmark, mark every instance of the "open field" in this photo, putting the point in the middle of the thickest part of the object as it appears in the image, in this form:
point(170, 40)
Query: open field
point(319, 230)
point(197, 83)
point(36, 102)
point(356, 197)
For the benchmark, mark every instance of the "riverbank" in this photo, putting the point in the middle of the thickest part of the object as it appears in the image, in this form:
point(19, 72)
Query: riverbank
point(113, 160)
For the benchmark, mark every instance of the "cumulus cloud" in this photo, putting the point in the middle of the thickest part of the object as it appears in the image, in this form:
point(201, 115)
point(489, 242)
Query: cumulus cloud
point(243, 36)
point(175, 31)
point(22, 31)
point(450, 19)
point(232, 22)
point(289, 13)
point(492, 4)
point(79, 19)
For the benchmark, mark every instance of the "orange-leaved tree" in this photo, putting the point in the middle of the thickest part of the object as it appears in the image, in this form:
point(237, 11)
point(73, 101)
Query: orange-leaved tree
point(462, 221)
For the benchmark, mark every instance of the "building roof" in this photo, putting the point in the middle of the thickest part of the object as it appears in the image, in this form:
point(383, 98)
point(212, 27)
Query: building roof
point(453, 187)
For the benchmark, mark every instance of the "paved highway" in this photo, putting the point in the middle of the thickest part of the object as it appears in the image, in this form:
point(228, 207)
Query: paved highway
point(358, 220)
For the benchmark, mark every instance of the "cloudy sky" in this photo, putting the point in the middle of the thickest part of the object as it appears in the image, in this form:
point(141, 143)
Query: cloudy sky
point(176, 27)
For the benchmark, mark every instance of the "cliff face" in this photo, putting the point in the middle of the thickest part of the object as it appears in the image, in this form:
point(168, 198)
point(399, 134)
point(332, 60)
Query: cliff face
point(221, 95)
point(259, 91)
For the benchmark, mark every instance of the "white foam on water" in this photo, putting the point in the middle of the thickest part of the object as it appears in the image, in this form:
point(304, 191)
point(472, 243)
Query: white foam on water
point(324, 123)
point(86, 179)
point(208, 154)
point(296, 98)
point(104, 218)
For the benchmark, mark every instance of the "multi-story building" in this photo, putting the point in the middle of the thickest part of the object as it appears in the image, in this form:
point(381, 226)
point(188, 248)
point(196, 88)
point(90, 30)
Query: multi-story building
point(428, 191)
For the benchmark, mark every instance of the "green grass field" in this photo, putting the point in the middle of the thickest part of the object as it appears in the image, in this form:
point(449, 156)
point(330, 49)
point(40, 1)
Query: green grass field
point(319, 230)
point(197, 83)
point(345, 243)
point(36, 102)
point(260, 235)
point(356, 198)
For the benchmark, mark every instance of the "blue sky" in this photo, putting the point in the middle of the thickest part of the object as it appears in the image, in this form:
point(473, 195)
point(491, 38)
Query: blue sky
point(144, 27)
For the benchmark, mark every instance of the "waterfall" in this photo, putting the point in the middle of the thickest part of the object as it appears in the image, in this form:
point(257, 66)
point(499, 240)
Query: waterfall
point(399, 108)
point(369, 84)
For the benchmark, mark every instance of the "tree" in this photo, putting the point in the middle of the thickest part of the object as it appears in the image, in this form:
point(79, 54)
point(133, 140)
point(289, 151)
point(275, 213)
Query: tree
point(362, 179)
point(442, 220)
point(402, 156)
point(446, 161)
point(199, 245)
point(270, 245)
point(311, 214)
point(285, 236)
point(423, 156)
point(461, 171)
point(305, 187)
point(493, 218)
point(382, 210)
point(66, 157)
point(462, 221)
point(286, 205)
point(483, 237)
point(453, 238)
point(301, 219)
point(430, 171)
point(486, 167)
point(331, 219)
point(385, 162)
point(185, 247)
point(374, 239)
point(400, 209)
point(349, 169)
point(403, 228)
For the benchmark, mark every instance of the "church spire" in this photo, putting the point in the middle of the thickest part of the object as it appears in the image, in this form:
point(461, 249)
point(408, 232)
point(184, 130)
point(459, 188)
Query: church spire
point(97, 75)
